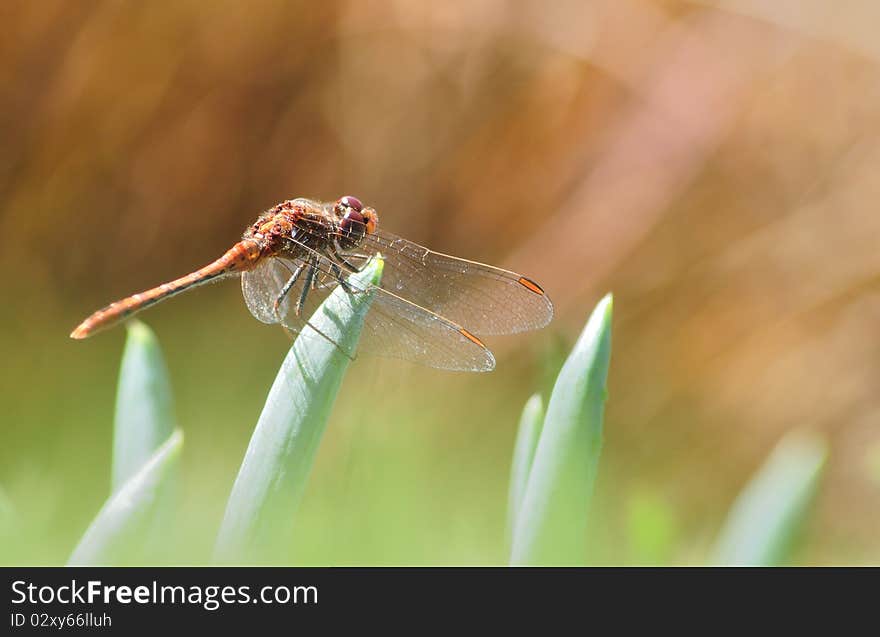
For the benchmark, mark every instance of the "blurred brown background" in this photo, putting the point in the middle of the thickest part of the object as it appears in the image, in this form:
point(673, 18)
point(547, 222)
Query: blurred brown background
point(713, 164)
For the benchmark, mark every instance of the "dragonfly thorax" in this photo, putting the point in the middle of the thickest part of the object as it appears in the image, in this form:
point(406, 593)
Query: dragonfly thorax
point(297, 227)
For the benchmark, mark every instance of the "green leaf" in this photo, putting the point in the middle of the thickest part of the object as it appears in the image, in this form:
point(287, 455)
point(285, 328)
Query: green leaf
point(530, 423)
point(124, 527)
point(144, 418)
point(552, 521)
point(767, 515)
point(259, 516)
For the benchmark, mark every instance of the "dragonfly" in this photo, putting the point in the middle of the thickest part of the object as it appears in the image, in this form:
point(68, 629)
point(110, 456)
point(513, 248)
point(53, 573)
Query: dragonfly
point(427, 308)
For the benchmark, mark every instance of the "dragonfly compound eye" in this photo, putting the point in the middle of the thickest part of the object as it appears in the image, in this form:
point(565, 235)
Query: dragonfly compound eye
point(353, 224)
point(352, 220)
point(352, 202)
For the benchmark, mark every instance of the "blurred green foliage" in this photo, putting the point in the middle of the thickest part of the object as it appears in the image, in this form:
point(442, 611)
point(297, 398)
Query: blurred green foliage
point(768, 516)
point(652, 528)
point(133, 526)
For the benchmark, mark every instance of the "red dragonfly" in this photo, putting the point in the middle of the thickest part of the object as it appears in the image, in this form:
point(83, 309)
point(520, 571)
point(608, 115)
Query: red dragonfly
point(423, 310)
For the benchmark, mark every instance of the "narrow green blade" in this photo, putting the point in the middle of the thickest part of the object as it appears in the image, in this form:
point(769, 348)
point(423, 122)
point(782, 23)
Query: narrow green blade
point(144, 418)
point(530, 423)
point(552, 521)
point(271, 481)
point(769, 511)
point(121, 531)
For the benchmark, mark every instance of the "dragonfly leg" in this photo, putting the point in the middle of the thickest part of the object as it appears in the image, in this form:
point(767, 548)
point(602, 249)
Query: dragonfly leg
point(293, 332)
point(311, 275)
point(347, 264)
point(286, 289)
point(331, 341)
point(337, 274)
point(290, 331)
point(307, 286)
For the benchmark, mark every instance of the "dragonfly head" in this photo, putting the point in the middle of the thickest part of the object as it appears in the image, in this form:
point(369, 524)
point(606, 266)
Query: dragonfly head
point(355, 220)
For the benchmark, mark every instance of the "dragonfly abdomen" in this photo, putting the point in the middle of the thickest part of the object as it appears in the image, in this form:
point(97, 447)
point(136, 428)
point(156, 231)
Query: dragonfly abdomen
point(243, 256)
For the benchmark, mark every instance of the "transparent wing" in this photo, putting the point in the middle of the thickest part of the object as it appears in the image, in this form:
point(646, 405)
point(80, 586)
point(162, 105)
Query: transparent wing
point(483, 298)
point(397, 328)
point(393, 327)
point(263, 285)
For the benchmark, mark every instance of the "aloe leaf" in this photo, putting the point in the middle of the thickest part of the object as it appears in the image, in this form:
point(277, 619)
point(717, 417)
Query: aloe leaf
point(768, 513)
point(552, 521)
point(530, 422)
point(144, 418)
point(126, 523)
point(272, 478)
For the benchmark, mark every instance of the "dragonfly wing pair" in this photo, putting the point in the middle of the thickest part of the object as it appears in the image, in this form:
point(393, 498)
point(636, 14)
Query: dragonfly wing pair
point(393, 327)
point(427, 309)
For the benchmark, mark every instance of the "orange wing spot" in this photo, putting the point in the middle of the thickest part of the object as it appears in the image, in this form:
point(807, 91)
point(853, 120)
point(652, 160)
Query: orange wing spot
point(528, 283)
point(473, 339)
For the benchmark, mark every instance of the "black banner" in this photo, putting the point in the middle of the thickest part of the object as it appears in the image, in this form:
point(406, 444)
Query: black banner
point(100, 600)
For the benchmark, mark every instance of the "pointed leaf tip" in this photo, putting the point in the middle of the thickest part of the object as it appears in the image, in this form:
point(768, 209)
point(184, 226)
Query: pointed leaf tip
point(552, 520)
point(144, 417)
point(530, 423)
